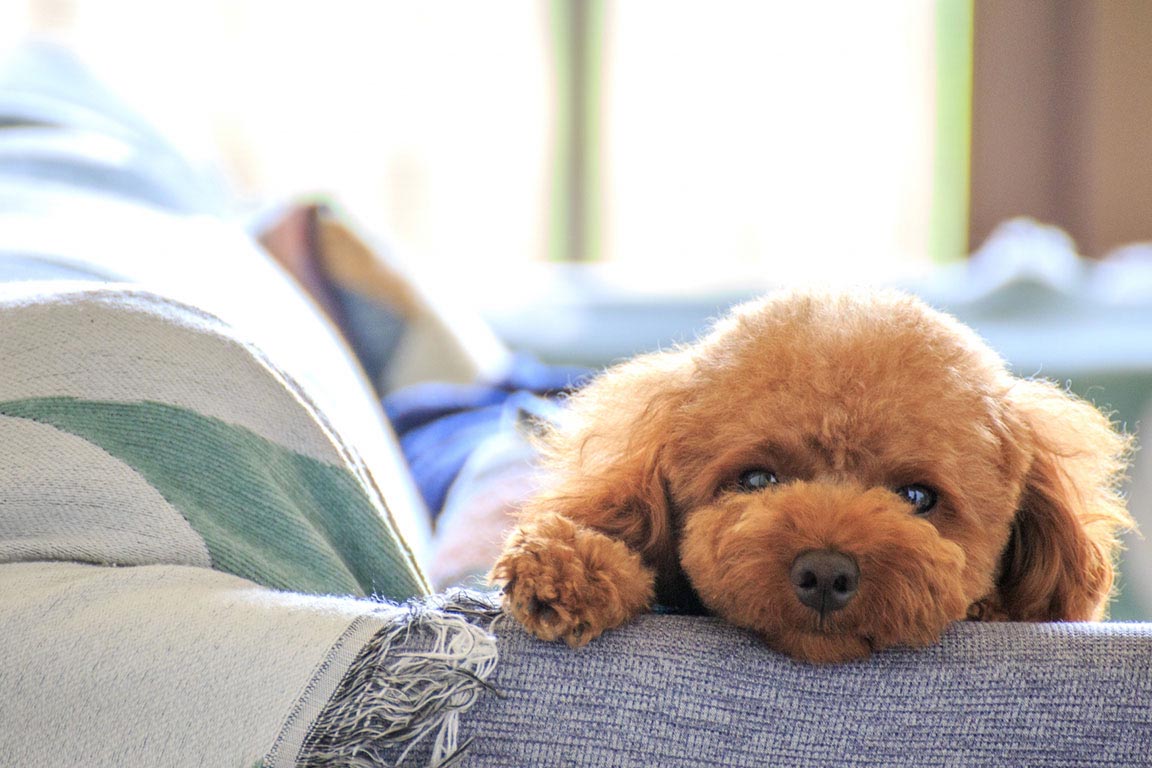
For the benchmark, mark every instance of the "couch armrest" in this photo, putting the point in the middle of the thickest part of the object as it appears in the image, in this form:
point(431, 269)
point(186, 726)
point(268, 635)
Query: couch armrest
point(689, 691)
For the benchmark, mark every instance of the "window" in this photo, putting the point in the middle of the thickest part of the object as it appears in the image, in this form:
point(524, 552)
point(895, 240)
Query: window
point(685, 138)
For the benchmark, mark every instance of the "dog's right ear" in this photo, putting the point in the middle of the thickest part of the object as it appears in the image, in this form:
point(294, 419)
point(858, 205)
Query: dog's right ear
point(603, 463)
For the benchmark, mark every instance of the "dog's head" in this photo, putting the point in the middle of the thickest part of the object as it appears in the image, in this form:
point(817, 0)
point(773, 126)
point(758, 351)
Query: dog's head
point(846, 472)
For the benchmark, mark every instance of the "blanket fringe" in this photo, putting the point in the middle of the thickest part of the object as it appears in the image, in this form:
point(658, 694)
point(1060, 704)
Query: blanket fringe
point(411, 681)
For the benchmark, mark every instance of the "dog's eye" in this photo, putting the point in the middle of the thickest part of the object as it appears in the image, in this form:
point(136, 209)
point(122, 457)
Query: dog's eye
point(920, 496)
point(753, 480)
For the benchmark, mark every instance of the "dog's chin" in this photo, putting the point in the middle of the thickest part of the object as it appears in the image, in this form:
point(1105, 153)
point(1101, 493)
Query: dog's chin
point(788, 630)
point(848, 644)
point(819, 647)
point(848, 638)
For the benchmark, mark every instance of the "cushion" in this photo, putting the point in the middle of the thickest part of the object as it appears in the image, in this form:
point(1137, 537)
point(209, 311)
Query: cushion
point(195, 481)
point(201, 506)
point(127, 414)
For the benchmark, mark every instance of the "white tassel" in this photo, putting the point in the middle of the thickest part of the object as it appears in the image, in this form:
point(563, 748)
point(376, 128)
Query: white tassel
point(412, 680)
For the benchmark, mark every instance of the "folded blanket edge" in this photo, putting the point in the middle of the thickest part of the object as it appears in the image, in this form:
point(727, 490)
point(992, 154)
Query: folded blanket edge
point(411, 681)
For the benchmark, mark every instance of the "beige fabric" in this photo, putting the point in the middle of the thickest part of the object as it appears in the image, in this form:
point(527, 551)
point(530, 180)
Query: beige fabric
point(63, 514)
point(210, 264)
point(149, 639)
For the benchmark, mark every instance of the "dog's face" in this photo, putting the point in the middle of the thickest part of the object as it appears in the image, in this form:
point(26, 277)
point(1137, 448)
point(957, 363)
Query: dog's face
point(847, 472)
point(844, 474)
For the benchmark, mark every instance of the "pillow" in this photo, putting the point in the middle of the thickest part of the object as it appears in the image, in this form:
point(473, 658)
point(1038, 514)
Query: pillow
point(139, 430)
point(194, 478)
point(198, 489)
point(403, 327)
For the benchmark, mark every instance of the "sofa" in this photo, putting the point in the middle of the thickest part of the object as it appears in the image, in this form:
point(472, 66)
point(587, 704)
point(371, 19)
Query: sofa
point(212, 553)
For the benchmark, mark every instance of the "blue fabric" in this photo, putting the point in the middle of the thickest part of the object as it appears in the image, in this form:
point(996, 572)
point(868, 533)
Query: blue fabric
point(436, 451)
point(440, 425)
point(372, 328)
point(421, 405)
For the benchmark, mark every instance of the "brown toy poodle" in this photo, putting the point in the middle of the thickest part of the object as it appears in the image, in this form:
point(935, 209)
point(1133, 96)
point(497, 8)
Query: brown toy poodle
point(839, 472)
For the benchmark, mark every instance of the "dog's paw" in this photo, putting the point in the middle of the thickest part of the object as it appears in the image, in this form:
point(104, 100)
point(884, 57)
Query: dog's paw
point(566, 582)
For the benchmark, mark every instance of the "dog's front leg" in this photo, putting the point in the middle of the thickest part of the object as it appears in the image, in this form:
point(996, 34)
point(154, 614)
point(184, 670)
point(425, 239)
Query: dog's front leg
point(564, 580)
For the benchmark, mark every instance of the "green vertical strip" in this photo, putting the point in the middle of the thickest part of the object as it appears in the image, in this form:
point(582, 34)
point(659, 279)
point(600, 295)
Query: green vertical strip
point(559, 219)
point(950, 186)
point(595, 26)
point(577, 40)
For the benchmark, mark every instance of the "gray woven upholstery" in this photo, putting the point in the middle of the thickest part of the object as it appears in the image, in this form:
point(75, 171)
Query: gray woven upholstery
point(680, 691)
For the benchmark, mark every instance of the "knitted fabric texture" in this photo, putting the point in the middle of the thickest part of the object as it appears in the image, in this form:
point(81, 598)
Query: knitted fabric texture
point(689, 692)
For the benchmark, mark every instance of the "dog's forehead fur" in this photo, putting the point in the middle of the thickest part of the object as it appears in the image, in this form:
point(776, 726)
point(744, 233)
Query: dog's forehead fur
point(876, 386)
point(842, 344)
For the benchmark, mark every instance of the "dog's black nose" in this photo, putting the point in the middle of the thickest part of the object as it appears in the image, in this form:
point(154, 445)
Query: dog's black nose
point(825, 580)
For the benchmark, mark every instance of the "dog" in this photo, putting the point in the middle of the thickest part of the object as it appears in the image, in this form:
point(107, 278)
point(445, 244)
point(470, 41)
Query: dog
point(839, 472)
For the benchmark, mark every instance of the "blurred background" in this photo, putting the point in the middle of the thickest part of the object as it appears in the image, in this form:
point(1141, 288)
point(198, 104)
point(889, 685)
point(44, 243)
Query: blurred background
point(645, 133)
point(768, 137)
point(595, 178)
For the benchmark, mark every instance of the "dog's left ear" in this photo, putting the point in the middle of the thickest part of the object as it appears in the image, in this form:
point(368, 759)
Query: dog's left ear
point(1059, 562)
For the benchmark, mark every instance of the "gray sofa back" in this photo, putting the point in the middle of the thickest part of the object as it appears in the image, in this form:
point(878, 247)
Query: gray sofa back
point(689, 691)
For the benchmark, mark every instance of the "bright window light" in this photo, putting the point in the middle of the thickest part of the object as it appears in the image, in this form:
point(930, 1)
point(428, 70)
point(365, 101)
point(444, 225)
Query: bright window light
point(780, 139)
point(729, 139)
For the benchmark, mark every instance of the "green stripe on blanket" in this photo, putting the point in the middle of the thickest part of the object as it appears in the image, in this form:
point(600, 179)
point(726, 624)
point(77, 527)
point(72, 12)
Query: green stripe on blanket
point(265, 512)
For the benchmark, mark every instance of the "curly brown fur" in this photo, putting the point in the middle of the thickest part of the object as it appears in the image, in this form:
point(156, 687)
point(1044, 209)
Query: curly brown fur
point(845, 398)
